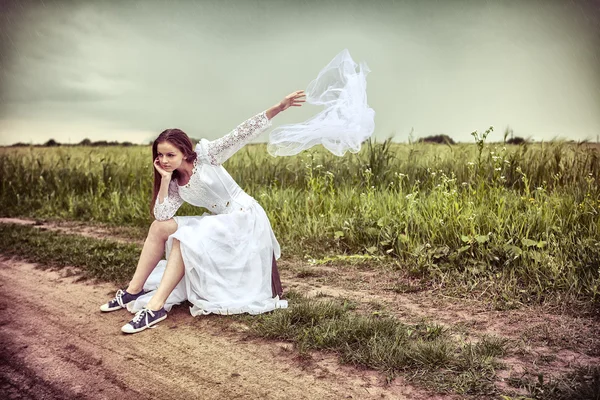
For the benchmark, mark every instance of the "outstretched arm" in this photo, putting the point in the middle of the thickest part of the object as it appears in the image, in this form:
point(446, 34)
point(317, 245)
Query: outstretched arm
point(218, 151)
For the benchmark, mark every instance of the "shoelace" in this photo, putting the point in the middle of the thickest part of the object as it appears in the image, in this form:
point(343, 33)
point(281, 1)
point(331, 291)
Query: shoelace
point(119, 297)
point(141, 314)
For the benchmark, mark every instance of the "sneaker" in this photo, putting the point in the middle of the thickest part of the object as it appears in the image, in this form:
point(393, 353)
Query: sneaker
point(120, 301)
point(143, 319)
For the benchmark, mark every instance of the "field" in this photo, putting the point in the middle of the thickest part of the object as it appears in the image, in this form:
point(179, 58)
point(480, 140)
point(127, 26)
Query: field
point(508, 227)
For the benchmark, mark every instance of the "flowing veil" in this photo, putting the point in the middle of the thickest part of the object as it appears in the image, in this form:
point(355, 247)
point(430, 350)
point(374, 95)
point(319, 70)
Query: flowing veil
point(346, 121)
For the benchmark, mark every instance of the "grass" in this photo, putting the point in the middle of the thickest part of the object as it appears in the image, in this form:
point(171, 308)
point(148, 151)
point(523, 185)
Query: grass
point(427, 352)
point(516, 224)
point(583, 383)
point(102, 259)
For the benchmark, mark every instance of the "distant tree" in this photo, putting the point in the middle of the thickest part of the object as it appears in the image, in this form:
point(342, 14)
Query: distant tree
point(440, 139)
point(51, 143)
point(85, 142)
point(516, 140)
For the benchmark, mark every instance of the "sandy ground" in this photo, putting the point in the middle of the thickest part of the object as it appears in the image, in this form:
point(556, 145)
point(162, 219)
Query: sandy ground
point(56, 344)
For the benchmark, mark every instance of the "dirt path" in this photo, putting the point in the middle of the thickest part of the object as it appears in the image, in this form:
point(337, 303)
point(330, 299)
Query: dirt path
point(58, 345)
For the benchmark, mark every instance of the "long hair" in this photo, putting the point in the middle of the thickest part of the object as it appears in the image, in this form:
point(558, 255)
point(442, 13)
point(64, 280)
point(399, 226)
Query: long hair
point(179, 139)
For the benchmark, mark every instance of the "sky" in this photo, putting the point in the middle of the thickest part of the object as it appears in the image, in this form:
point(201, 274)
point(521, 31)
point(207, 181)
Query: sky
point(126, 70)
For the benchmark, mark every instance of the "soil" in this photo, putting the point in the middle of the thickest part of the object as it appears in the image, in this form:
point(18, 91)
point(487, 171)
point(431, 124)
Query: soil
point(55, 343)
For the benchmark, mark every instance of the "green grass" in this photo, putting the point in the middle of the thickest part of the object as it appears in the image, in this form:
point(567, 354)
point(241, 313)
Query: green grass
point(424, 351)
point(583, 383)
point(517, 224)
point(103, 259)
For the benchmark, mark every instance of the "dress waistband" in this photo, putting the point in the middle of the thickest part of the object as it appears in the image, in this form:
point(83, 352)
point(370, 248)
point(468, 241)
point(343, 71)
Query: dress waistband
point(240, 202)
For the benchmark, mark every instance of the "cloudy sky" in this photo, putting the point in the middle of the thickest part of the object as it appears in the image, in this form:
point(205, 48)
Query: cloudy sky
point(126, 70)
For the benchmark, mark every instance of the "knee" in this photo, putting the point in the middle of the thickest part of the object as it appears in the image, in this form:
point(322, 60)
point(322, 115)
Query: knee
point(162, 229)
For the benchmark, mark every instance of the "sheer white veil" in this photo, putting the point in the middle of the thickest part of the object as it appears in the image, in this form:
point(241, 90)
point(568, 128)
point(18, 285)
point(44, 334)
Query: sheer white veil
point(346, 121)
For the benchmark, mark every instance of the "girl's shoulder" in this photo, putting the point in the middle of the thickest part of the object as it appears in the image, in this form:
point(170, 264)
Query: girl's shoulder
point(205, 152)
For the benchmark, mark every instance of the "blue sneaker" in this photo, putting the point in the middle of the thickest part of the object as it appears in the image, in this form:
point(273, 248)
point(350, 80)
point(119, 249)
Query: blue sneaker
point(120, 301)
point(143, 319)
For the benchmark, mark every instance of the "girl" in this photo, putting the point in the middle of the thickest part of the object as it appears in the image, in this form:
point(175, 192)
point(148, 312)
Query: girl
point(221, 262)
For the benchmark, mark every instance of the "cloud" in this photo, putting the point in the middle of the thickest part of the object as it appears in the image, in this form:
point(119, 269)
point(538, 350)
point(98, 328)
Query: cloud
point(206, 66)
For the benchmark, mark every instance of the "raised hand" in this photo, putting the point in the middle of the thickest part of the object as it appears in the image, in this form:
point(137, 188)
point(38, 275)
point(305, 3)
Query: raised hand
point(294, 99)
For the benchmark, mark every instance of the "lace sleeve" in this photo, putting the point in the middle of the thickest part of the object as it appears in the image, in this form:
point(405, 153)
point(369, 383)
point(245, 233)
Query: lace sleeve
point(170, 205)
point(216, 152)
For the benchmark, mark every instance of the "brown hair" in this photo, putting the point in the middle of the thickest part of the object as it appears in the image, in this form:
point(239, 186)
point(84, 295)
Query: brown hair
point(179, 139)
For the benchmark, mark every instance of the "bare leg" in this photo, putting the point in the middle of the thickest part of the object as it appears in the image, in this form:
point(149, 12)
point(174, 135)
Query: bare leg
point(173, 274)
point(152, 253)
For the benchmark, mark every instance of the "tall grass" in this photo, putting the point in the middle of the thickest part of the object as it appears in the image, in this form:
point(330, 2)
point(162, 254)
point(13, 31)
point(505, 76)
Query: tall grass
point(524, 217)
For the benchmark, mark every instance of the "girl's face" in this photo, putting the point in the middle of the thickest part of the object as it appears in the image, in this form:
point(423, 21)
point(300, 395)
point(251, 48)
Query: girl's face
point(169, 156)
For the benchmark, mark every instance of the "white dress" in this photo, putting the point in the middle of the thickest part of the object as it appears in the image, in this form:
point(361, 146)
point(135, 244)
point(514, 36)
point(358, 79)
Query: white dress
point(228, 253)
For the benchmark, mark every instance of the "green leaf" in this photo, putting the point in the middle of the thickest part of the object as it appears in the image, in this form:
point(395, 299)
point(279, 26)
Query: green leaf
point(371, 249)
point(372, 231)
point(513, 250)
point(541, 244)
point(464, 248)
point(339, 234)
point(465, 239)
point(528, 242)
point(481, 238)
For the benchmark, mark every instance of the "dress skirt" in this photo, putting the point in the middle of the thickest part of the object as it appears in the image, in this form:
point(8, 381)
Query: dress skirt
point(229, 264)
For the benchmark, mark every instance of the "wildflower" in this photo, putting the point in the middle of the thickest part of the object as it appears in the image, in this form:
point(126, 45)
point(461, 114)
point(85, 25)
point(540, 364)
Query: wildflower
point(471, 163)
point(465, 184)
point(497, 169)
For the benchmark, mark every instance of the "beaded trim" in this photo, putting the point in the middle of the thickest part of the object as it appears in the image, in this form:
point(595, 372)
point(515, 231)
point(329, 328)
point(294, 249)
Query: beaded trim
point(187, 185)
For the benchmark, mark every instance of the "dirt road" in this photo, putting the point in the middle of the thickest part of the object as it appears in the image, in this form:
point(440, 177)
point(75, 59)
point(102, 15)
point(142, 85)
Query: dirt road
point(57, 345)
